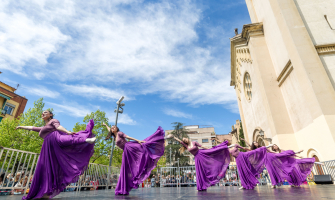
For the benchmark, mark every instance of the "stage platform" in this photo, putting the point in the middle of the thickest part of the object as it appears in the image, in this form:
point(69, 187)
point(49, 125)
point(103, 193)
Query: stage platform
point(321, 192)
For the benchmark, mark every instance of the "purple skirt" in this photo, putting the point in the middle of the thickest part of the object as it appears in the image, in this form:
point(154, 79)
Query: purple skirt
point(139, 160)
point(211, 165)
point(301, 170)
point(249, 165)
point(62, 160)
point(279, 165)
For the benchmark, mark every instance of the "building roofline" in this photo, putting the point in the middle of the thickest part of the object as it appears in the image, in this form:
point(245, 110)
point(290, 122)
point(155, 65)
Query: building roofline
point(14, 94)
point(8, 85)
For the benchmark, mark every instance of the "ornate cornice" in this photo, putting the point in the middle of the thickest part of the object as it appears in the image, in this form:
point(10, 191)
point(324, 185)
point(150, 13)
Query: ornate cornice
point(243, 55)
point(239, 50)
point(250, 30)
point(325, 49)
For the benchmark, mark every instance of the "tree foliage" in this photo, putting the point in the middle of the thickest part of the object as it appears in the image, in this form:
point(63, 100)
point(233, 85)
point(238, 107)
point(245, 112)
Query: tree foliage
point(241, 135)
point(102, 147)
point(174, 146)
point(23, 139)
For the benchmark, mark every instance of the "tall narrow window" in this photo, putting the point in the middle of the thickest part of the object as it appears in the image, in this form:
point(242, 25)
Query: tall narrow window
point(247, 86)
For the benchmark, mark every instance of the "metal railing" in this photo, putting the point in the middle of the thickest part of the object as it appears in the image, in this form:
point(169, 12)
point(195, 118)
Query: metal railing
point(186, 176)
point(327, 168)
point(17, 168)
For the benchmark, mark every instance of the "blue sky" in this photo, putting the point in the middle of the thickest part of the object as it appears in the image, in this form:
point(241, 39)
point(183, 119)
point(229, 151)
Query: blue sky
point(169, 58)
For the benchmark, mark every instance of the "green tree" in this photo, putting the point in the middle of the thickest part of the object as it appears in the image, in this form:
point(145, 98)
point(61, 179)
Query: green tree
point(161, 163)
point(102, 147)
point(180, 133)
point(241, 135)
point(23, 139)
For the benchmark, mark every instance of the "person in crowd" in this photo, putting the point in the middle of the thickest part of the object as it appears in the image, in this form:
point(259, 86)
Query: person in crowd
point(164, 180)
point(153, 181)
point(157, 180)
point(173, 181)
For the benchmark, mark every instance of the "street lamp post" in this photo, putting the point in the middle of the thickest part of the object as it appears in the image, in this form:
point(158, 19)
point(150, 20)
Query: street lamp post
point(170, 157)
point(178, 174)
point(117, 111)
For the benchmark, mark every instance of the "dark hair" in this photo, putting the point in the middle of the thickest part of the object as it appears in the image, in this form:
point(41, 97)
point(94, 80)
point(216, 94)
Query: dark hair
point(2, 176)
point(274, 149)
point(52, 115)
point(253, 146)
point(111, 133)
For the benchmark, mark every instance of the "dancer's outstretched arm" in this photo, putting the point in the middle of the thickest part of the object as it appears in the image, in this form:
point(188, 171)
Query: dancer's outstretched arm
point(30, 128)
point(298, 152)
point(246, 142)
point(177, 139)
point(217, 140)
point(139, 141)
point(108, 128)
point(270, 145)
point(233, 145)
point(61, 128)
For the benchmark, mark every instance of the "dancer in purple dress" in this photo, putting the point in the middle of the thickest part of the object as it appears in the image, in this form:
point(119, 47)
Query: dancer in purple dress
point(210, 164)
point(64, 157)
point(139, 158)
point(301, 168)
point(278, 165)
point(249, 164)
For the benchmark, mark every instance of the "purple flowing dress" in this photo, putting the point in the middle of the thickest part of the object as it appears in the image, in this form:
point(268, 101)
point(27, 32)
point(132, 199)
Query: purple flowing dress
point(62, 160)
point(249, 165)
point(138, 160)
point(301, 170)
point(210, 164)
point(280, 165)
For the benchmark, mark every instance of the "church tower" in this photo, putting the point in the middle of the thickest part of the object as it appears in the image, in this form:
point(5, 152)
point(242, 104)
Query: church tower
point(283, 72)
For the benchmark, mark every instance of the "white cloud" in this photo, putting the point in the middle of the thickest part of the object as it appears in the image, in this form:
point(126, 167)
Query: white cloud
point(146, 47)
point(25, 41)
point(176, 113)
point(40, 91)
point(94, 91)
point(122, 119)
point(76, 110)
point(72, 109)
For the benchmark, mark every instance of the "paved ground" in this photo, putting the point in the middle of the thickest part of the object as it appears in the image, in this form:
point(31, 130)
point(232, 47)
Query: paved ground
point(320, 192)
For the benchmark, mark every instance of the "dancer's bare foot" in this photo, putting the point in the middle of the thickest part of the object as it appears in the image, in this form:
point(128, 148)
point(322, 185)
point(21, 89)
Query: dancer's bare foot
point(241, 188)
point(273, 186)
point(319, 163)
point(91, 140)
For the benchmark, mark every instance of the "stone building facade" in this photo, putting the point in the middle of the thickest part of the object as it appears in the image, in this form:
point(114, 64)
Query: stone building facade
point(204, 136)
point(283, 72)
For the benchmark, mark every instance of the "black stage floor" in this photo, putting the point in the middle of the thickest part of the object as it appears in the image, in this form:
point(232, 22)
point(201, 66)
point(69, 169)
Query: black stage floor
point(322, 192)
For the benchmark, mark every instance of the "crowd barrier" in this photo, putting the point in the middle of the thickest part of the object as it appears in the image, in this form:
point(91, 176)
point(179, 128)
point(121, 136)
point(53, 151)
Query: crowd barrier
point(186, 176)
point(17, 169)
